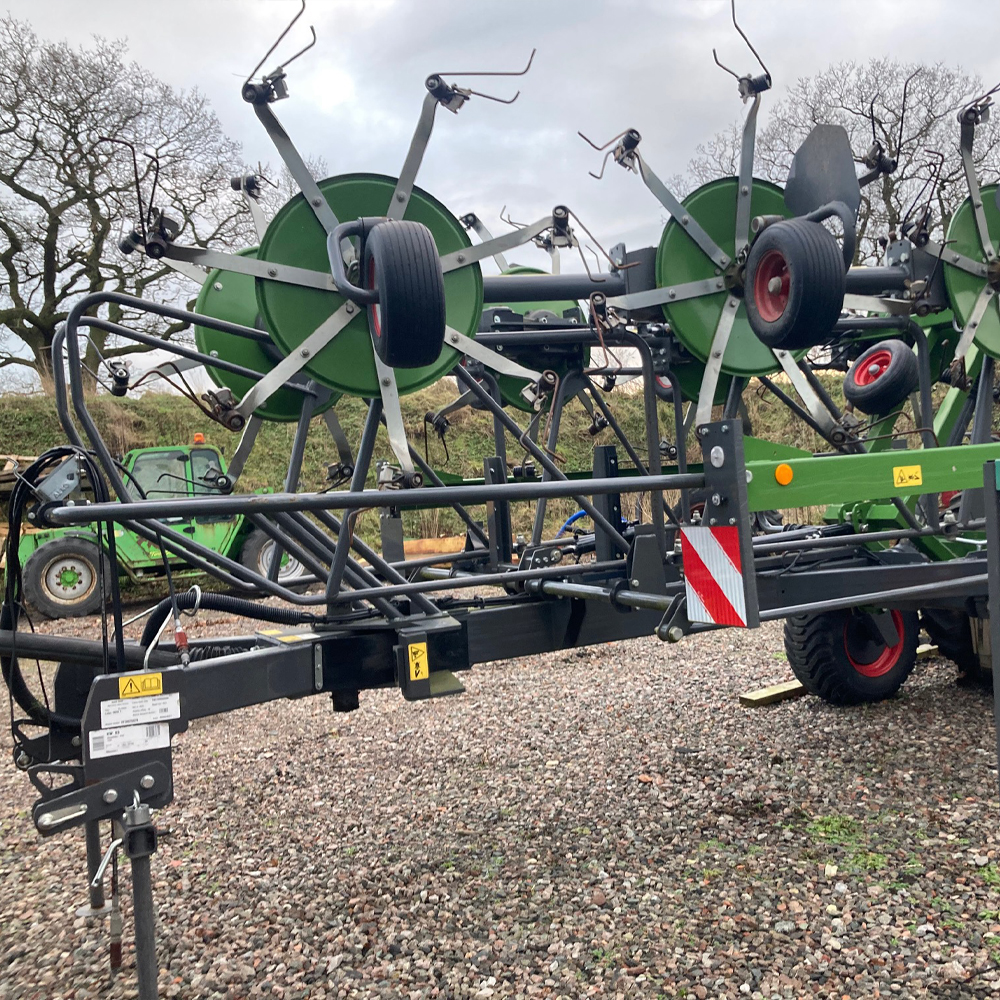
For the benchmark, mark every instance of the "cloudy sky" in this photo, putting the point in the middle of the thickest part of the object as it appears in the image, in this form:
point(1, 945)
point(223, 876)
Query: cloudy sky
point(600, 67)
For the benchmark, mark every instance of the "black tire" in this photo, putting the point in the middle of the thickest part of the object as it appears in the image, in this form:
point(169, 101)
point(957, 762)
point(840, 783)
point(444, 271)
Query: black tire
point(949, 630)
point(256, 556)
point(61, 578)
point(805, 260)
point(407, 325)
point(836, 658)
point(882, 378)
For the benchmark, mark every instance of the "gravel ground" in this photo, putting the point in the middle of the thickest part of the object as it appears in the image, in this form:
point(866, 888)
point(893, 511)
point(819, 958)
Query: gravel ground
point(604, 822)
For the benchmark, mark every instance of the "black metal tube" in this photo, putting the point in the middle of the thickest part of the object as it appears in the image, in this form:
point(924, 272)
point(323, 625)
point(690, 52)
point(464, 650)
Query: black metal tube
point(803, 414)
point(432, 477)
point(554, 420)
point(881, 599)
point(365, 449)
point(774, 543)
point(459, 582)
point(357, 500)
point(616, 428)
point(875, 280)
point(144, 919)
point(820, 390)
point(860, 324)
point(545, 287)
point(92, 834)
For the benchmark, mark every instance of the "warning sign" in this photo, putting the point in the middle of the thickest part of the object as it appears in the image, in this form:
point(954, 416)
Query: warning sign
point(907, 475)
point(419, 668)
point(140, 685)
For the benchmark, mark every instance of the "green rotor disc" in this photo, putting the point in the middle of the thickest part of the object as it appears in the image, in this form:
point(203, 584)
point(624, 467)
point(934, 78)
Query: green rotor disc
point(230, 296)
point(292, 312)
point(535, 358)
point(679, 259)
point(690, 374)
point(964, 288)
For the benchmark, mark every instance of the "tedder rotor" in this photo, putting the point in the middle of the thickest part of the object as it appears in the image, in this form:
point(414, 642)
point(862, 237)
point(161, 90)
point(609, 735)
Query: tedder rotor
point(366, 287)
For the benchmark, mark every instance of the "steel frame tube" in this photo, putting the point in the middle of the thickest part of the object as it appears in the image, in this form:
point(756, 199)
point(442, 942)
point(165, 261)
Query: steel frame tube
point(498, 289)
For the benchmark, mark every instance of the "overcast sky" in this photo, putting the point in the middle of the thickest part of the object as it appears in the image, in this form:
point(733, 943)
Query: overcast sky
point(600, 67)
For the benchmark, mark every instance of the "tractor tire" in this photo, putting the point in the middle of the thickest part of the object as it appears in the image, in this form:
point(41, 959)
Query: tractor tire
point(256, 556)
point(795, 282)
point(61, 578)
point(407, 324)
point(881, 379)
point(834, 657)
point(949, 630)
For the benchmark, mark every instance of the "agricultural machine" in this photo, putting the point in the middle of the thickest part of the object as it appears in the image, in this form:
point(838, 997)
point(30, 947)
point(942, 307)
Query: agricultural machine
point(67, 571)
point(367, 286)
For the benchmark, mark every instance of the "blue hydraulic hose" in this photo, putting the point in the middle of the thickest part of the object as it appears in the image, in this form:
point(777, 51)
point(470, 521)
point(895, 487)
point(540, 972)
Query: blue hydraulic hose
point(572, 519)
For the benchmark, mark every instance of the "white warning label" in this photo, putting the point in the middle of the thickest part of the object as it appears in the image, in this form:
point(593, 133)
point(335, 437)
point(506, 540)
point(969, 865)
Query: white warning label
point(129, 739)
point(133, 711)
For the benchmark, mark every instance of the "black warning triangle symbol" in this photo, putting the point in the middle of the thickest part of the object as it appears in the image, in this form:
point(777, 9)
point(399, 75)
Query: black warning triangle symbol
point(130, 688)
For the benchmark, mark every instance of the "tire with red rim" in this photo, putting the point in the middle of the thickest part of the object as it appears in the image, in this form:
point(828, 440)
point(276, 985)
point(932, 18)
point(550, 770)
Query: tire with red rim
point(407, 325)
point(881, 379)
point(841, 657)
point(794, 284)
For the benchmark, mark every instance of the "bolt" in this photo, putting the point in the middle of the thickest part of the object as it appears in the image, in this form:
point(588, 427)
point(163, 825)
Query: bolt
point(716, 500)
point(675, 633)
point(718, 284)
point(213, 354)
point(725, 428)
point(400, 197)
point(110, 796)
point(387, 381)
point(316, 202)
point(147, 781)
point(75, 741)
point(774, 285)
point(712, 520)
point(716, 354)
point(453, 338)
point(23, 760)
point(218, 286)
point(304, 353)
point(461, 258)
point(635, 583)
point(685, 220)
point(272, 272)
point(749, 476)
point(732, 520)
point(46, 820)
point(955, 257)
point(672, 293)
point(349, 308)
point(744, 190)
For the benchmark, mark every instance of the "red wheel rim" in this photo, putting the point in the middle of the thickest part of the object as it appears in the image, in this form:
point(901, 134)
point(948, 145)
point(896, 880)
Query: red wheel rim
point(770, 286)
point(869, 658)
point(872, 368)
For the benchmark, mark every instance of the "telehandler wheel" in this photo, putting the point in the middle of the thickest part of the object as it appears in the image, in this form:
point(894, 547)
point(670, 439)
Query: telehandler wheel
point(882, 378)
point(840, 657)
point(256, 556)
point(61, 578)
point(795, 282)
point(407, 323)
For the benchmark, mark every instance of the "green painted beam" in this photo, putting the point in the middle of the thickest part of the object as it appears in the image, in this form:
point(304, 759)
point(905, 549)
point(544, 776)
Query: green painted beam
point(846, 478)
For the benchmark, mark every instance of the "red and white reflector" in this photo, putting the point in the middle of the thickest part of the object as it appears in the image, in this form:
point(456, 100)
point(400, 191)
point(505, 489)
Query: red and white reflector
point(713, 576)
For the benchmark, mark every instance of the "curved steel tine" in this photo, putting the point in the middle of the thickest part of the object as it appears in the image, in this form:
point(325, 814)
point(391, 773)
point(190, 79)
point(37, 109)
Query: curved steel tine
point(490, 97)
point(604, 164)
point(278, 41)
point(715, 56)
point(306, 48)
point(518, 72)
point(743, 35)
point(592, 144)
point(135, 173)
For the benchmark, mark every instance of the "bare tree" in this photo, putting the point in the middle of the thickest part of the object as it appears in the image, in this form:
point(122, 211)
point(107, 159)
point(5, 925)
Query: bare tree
point(910, 109)
point(65, 192)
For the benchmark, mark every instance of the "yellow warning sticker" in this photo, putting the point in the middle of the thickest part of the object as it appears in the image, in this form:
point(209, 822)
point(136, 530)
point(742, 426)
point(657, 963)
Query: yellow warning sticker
point(907, 475)
point(419, 669)
point(140, 685)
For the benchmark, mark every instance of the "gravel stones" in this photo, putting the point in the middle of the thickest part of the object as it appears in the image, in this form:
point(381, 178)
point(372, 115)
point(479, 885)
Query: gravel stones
point(506, 843)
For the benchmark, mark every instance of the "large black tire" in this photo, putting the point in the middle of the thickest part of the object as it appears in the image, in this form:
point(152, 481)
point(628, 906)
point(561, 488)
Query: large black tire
point(882, 378)
point(794, 284)
point(62, 578)
point(407, 324)
point(949, 630)
point(256, 556)
point(836, 658)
